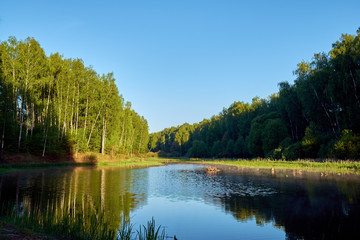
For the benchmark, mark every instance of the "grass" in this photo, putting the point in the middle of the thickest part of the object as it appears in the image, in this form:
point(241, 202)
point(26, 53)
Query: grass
point(88, 159)
point(139, 162)
point(151, 232)
point(70, 226)
point(152, 159)
point(308, 165)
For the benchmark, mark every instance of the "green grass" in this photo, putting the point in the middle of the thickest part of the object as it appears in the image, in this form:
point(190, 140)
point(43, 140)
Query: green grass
point(139, 162)
point(308, 165)
point(61, 225)
point(151, 232)
point(130, 162)
point(67, 225)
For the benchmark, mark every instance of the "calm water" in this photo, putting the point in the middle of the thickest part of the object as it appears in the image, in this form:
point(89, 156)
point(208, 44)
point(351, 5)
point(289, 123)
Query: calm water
point(235, 203)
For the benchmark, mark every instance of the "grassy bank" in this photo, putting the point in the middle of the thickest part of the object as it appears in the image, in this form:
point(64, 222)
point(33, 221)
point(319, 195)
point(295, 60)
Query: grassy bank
point(140, 162)
point(307, 165)
point(152, 159)
point(26, 161)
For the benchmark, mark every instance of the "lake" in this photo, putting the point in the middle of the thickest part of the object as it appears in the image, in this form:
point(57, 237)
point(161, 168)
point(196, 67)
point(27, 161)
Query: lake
point(234, 203)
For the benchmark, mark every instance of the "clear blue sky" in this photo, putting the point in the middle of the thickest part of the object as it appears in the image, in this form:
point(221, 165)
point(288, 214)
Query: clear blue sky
point(182, 61)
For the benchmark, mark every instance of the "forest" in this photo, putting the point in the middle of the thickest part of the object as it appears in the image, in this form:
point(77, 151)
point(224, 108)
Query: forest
point(50, 105)
point(54, 106)
point(318, 116)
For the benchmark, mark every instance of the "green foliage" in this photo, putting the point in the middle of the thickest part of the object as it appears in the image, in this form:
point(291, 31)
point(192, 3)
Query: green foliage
point(347, 147)
point(257, 134)
point(293, 151)
point(198, 150)
point(151, 232)
point(285, 143)
point(217, 149)
point(301, 120)
point(240, 148)
point(311, 141)
point(229, 150)
point(275, 132)
point(56, 106)
point(126, 230)
point(66, 224)
point(276, 154)
point(84, 226)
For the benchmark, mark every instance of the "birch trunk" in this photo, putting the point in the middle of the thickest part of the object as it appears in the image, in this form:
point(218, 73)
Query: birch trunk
point(66, 104)
point(92, 128)
point(32, 119)
point(27, 120)
point(326, 112)
point(46, 122)
point(140, 140)
point(2, 140)
point(103, 136)
point(21, 123)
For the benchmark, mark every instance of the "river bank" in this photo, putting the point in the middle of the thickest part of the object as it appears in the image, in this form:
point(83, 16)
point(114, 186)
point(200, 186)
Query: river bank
point(25, 161)
point(86, 188)
point(328, 166)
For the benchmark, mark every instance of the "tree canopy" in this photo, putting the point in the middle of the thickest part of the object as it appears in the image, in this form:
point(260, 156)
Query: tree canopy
point(316, 117)
point(53, 105)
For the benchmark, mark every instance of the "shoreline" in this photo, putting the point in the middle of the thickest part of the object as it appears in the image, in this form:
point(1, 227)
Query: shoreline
point(24, 162)
point(149, 160)
point(310, 165)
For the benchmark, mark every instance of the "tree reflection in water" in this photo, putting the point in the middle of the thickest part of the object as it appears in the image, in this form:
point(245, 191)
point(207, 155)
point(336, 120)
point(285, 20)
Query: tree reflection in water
point(304, 205)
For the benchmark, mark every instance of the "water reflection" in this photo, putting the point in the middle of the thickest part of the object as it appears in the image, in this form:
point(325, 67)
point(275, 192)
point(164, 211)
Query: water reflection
point(264, 204)
point(113, 191)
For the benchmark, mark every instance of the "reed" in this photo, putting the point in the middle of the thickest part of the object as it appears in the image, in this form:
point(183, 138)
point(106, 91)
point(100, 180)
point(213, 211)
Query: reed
point(151, 232)
point(75, 226)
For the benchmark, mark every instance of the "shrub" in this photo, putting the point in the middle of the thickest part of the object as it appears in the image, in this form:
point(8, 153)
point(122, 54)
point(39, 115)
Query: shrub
point(347, 147)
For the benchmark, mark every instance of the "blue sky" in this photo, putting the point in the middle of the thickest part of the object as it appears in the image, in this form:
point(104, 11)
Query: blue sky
point(183, 61)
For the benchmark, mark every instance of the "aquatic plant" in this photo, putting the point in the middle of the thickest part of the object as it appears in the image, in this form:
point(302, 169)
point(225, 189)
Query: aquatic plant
point(151, 232)
point(89, 226)
point(125, 231)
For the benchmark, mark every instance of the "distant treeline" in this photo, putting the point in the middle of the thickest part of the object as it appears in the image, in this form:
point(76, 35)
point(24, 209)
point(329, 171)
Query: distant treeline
point(316, 117)
point(52, 105)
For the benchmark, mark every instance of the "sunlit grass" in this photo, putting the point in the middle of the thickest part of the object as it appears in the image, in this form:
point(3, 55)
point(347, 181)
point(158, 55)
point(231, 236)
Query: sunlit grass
point(95, 159)
point(305, 164)
point(139, 162)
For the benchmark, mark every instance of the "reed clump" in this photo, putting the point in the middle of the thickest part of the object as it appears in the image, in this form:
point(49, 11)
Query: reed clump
point(91, 226)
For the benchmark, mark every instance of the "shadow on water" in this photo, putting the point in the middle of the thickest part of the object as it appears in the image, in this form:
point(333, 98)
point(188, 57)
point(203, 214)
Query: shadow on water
point(110, 191)
point(303, 205)
point(306, 205)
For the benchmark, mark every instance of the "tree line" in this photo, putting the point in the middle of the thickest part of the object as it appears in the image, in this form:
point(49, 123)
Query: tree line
point(318, 116)
point(52, 105)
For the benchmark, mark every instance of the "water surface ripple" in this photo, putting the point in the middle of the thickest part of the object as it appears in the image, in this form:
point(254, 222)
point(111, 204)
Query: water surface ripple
point(234, 203)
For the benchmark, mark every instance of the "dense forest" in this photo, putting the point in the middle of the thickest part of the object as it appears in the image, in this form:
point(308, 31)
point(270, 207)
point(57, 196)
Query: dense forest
point(56, 106)
point(316, 117)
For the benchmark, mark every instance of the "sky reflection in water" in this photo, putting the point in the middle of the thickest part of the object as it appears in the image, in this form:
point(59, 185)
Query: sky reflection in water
point(233, 204)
